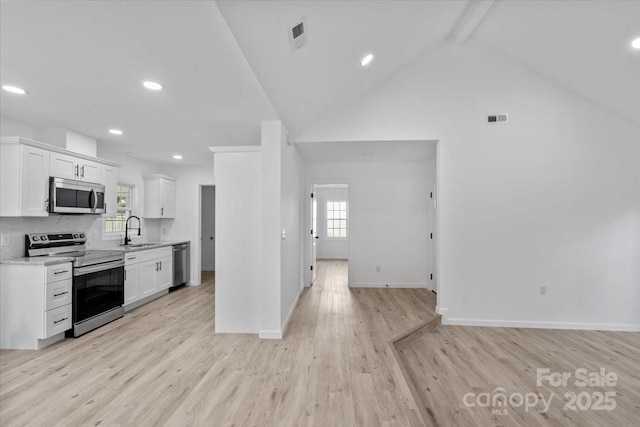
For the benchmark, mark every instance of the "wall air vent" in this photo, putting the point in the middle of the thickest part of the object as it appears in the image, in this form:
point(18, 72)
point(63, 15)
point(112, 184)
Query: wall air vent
point(497, 118)
point(298, 35)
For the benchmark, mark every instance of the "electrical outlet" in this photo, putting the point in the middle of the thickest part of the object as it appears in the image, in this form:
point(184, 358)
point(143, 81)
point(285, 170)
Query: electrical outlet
point(377, 269)
point(543, 289)
point(6, 240)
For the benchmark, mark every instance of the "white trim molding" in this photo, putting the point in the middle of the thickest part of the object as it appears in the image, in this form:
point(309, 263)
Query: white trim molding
point(270, 335)
point(540, 325)
point(235, 149)
point(389, 285)
point(285, 325)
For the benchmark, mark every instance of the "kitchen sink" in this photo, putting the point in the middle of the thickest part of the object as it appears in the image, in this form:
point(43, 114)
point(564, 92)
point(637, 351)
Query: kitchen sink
point(139, 245)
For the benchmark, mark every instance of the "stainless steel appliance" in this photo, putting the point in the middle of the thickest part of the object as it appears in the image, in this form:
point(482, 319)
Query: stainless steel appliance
point(181, 264)
point(98, 277)
point(78, 197)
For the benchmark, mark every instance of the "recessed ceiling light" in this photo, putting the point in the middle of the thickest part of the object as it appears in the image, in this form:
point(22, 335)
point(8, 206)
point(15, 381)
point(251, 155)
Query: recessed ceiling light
point(366, 60)
point(115, 131)
point(177, 156)
point(636, 43)
point(152, 85)
point(14, 89)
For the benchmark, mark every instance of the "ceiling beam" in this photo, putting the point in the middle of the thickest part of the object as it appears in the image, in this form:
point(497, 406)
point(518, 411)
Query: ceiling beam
point(469, 20)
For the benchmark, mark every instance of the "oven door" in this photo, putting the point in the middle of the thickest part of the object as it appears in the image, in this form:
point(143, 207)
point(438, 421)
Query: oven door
point(97, 289)
point(69, 196)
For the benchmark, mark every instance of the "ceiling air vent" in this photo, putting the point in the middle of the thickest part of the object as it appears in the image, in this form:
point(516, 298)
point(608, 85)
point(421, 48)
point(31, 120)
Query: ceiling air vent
point(497, 118)
point(297, 35)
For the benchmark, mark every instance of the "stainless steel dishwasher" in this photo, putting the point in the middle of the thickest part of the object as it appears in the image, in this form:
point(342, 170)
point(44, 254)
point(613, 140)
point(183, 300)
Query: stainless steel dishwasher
point(181, 264)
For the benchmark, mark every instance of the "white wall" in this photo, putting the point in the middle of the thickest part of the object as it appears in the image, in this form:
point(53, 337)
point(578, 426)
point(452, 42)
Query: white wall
point(552, 197)
point(272, 138)
point(292, 247)
point(10, 127)
point(186, 225)
point(238, 243)
point(330, 248)
point(387, 219)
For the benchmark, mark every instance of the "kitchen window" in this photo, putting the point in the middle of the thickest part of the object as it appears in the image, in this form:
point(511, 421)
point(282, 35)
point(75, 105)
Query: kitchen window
point(337, 219)
point(116, 224)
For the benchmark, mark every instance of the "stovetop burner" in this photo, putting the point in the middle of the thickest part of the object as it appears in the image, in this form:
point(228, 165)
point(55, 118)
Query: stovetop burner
point(68, 245)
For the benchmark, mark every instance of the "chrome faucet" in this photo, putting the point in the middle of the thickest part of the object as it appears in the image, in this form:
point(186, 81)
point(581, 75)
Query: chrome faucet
point(127, 239)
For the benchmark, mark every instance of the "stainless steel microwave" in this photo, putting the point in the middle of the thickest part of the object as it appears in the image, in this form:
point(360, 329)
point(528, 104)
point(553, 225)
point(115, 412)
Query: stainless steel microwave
point(78, 197)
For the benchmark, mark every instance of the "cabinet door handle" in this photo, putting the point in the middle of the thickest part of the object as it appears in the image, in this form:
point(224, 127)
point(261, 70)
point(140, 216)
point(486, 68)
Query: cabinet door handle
point(161, 211)
point(125, 275)
point(82, 169)
point(77, 173)
point(157, 266)
point(61, 293)
point(61, 320)
point(132, 257)
point(61, 271)
point(160, 265)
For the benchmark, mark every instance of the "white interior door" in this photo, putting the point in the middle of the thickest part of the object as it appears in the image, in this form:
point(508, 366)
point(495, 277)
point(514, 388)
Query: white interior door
point(433, 222)
point(314, 236)
point(208, 229)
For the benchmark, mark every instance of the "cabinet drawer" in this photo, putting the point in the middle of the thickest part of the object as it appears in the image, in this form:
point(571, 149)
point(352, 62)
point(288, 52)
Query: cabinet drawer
point(131, 258)
point(57, 320)
point(58, 294)
point(155, 253)
point(58, 272)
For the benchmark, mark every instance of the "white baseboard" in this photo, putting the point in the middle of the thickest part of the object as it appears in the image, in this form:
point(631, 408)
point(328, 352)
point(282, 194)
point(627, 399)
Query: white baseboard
point(541, 325)
point(442, 312)
point(270, 335)
point(285, 325)
point(389, 285)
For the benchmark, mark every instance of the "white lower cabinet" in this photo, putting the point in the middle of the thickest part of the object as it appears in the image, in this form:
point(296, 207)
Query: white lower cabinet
point(148, 278)
point(131, 283)
point(35, 305)
point(147, 273)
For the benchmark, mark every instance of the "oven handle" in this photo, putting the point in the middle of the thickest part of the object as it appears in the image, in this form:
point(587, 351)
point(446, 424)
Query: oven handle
point(95, 268)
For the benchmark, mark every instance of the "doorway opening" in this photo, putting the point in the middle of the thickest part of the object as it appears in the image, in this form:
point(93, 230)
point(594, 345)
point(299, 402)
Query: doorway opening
point(330, 226)
point(208, 234)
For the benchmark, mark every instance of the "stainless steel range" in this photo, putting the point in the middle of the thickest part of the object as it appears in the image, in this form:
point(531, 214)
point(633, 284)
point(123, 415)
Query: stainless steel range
point(98, 277)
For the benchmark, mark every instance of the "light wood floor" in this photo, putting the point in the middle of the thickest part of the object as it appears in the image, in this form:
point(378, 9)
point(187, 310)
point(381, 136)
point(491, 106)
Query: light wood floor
point(162, 365)
point(451, 361)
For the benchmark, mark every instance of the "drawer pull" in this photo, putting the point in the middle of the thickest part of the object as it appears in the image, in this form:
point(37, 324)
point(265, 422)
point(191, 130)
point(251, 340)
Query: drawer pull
point(61, 293)
point(60, 272)
point(61, 320)
point(133, 257)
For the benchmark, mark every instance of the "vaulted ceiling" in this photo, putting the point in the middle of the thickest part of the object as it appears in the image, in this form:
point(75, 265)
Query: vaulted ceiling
point(226, 66)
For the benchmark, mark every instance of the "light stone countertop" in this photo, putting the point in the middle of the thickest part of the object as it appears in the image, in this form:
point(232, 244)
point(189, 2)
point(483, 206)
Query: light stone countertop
point(53, 260)
point(150, 245)
point(37, 260)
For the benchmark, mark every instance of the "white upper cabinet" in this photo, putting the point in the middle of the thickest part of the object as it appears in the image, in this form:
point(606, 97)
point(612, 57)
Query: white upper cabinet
point(110, 181)
point(159, 197)
point(71, 167)
point(25, 169)
point(24, 180)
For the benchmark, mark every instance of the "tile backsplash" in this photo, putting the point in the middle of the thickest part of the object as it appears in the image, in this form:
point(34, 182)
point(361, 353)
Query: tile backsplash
point(14, 229)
